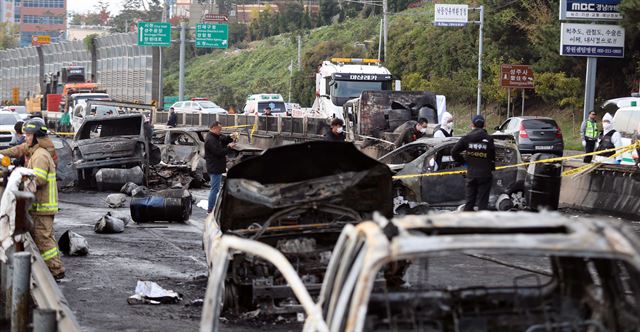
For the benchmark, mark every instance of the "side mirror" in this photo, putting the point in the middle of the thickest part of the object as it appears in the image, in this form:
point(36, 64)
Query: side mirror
point(497, 128)
point(198, 108)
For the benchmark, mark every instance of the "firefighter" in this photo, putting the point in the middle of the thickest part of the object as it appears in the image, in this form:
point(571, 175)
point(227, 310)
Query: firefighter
point(480, 160)
point(37, 150)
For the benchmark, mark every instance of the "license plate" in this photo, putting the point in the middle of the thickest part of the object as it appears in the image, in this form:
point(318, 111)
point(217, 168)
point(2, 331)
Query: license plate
point(543, 147)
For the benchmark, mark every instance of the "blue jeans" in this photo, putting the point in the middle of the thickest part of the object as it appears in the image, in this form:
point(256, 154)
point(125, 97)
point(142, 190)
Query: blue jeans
point(215, 180)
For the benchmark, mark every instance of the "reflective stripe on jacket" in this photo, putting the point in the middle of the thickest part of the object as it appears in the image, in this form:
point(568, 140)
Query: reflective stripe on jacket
point(46, 202)
point(591, 130)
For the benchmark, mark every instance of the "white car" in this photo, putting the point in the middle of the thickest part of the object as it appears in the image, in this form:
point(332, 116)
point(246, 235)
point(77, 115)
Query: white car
point(202, 106)
point(8, 120)
point(20, 110)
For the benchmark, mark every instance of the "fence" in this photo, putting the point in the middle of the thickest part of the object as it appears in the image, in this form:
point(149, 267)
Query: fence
point(123, 68)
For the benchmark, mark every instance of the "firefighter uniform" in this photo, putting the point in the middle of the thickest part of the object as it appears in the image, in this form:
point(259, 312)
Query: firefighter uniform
point(43, 210)
point(480, 154)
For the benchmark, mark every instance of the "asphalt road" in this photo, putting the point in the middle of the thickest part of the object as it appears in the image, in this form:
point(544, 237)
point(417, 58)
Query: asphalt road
point(97, 286)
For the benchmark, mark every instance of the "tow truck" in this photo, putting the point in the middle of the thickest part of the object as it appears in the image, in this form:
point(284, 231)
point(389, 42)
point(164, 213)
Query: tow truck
point(342, 79)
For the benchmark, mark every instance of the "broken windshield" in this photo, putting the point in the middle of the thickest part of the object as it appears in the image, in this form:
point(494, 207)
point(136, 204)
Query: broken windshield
point(126, 126)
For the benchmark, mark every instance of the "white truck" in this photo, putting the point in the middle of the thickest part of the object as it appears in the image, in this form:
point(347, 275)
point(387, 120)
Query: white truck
point(342, 79)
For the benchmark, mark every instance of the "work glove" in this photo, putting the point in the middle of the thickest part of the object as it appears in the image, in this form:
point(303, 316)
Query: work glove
point(584, 143)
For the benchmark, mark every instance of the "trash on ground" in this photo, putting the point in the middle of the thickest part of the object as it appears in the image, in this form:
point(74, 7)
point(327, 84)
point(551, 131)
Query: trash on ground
point(116, 200)
point(203, 204)
point(111, 223)
point(73, 244)
point(128, 187)
point(149, 292)
point(196, 303)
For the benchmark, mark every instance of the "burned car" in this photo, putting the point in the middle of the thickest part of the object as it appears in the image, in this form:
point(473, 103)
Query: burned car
point(484, 271)
point(297, 199)
point(112, 150)
point(184, 147)
point(433, 155)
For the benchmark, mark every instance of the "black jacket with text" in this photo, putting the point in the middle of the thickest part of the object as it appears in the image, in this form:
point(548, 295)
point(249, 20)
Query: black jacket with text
point(480, 154)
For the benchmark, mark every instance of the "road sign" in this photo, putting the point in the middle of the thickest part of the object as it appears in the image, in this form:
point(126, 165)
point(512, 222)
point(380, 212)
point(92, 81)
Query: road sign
point(40, 40)
point(451, 15)
point(213, 18)
point(154, 34)
point(15, 96)
point(516, 76)
point(212, 35)
point(592, 40)
point(590, 10)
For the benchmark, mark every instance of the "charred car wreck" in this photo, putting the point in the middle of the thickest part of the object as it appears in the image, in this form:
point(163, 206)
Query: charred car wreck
point(110, 151)
point(483, 271)
point(296, 199)
point(433, 155)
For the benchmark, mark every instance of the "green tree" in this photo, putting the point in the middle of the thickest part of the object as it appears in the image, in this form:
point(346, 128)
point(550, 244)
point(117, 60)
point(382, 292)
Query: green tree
point(8, 35)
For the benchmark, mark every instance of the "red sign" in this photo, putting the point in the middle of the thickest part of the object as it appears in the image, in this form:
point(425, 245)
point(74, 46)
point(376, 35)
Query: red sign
point(210, 18)
point(516, 76)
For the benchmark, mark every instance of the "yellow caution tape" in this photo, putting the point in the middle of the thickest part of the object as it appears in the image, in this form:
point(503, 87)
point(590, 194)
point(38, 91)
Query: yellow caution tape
point(253, 130)
point(63, 133)
point(241, 126)
point(620, 150)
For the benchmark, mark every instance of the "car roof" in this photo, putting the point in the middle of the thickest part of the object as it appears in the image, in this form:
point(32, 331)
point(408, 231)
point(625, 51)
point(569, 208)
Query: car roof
point(532, 117)
point(184, 129)
point(506, 232)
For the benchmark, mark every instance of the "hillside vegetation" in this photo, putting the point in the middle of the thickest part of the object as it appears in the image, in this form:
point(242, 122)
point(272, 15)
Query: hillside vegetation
point(424, 57)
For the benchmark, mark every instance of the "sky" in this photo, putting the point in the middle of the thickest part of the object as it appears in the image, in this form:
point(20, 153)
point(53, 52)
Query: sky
point(83, 6)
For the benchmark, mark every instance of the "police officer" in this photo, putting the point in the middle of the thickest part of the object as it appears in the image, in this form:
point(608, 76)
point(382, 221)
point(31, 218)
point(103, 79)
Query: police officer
point(336, 133)
point(589, 134)
point(480, 159)
point(40, 159)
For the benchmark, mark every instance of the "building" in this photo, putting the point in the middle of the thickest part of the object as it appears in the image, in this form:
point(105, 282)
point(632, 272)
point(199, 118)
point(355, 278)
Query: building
point(79, 32)
point(245, 13)
point(36, 18)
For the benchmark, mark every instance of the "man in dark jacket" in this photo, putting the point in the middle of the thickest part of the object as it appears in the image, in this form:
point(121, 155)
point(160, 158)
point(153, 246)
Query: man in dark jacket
point(173, 118)
point(216, 147)
point(412, 132)
point(480, 160)
point(336, 133)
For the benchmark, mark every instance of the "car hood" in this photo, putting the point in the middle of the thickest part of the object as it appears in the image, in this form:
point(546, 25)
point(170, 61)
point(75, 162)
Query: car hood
point(323, 173)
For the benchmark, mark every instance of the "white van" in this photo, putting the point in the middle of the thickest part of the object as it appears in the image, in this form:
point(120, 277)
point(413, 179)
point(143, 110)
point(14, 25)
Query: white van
point(258, 103)
point(626, 121)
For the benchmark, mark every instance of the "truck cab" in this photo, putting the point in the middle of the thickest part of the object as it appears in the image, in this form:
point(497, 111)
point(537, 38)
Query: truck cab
point(342, 79)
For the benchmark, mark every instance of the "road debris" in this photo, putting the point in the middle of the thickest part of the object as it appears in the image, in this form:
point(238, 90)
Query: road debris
point(166, 205)
point(149, 292)
point(203, 204)
point(128, 187)
point(73, 244)
point(115, 201)
point(111, 223)
point(140, 191)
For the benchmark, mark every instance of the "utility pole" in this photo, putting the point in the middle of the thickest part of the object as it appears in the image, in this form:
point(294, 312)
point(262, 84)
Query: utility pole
point(590, 86)
point(385, 25)
point(183, 42)
point(160, 74)
point(480, 47)
point(299, 38)
point(380, 40)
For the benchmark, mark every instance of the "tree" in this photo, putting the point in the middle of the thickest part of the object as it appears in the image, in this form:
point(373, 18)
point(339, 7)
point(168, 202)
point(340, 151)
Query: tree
point(8, 35)
point(102, 7)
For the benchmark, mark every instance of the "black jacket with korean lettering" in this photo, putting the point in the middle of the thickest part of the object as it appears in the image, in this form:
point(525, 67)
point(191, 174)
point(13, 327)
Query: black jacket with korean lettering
point(480, 153)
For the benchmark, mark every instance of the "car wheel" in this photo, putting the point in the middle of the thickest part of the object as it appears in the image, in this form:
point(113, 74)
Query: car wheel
point(518, 199)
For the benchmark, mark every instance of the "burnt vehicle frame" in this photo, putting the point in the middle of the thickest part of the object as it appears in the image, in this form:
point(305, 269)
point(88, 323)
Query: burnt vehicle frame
point(184, 147)
point(591, 282)
point(115, 141)
point(433, 155)
point(296, 199)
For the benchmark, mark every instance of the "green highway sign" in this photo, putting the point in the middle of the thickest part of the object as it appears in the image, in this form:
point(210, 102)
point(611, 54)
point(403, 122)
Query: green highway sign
point(154, 34)
point(210, 35)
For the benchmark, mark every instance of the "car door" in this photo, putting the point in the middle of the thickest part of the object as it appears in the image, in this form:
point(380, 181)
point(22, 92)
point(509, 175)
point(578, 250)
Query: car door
point(442, 188)
point(501, 129)
point(220, 253)
point(181, 149)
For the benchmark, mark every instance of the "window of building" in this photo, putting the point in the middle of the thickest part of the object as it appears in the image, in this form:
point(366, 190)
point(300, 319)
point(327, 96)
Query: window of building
point(43, 3)
point(33, 19)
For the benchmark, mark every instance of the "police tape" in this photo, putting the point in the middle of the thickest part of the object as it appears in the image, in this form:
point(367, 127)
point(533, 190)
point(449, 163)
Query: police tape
point(63, 133)
point(239, 126)
point(619, 150)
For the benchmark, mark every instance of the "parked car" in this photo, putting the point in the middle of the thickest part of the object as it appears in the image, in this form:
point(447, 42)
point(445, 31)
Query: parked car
point(483, 271)
point(533, 134)
point(8, 119)
point(294, 198)
point(433, 155)
point(202, 106)
point(20, 110)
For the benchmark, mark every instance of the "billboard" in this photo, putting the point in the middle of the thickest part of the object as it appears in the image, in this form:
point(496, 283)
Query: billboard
point(590, 10)
point(592, 40)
